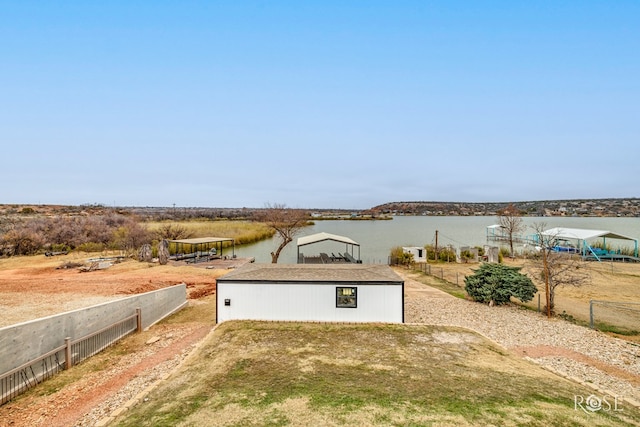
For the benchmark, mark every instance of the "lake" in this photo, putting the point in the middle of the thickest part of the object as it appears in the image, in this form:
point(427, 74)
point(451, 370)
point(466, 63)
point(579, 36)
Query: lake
point(376, 238)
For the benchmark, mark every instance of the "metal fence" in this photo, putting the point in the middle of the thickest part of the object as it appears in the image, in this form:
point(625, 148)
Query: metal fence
point(455, 277)
point(32, 373)
point(615, 316)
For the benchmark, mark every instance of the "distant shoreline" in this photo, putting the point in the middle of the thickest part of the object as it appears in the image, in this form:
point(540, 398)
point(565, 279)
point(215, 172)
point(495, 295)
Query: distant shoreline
point(612, 207)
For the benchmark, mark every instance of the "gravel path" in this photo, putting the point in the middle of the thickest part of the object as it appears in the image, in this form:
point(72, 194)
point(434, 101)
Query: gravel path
point(609, 364)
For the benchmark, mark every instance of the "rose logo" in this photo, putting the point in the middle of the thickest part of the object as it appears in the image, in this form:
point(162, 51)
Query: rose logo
point(594, 403)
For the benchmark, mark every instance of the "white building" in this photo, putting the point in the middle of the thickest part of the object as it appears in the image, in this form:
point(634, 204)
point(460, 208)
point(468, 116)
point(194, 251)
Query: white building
point(419, 254)
point(311, 292)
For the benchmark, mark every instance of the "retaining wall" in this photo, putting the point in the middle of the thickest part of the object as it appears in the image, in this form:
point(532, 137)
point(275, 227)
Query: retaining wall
point(27, 341)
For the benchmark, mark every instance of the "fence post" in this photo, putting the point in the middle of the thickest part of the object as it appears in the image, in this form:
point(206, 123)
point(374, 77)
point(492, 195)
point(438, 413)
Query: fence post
point(139, 319)
point(591, 313)
point(457, 282)
point(68, 362)
point(538, 302)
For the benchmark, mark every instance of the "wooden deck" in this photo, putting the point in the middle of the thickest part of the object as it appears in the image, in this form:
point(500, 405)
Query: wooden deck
point(223, 263)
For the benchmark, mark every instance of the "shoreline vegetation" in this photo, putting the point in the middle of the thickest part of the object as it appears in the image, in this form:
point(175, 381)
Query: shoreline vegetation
point(243, 232)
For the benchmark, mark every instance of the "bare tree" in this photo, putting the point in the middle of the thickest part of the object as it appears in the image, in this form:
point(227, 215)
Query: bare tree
point(556, 269)
point(286, 222)
point(130, 236)
point(173, 232)
point(510, 219)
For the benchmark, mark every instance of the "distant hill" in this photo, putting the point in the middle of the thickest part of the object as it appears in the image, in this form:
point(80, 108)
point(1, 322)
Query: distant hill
point(579, 207)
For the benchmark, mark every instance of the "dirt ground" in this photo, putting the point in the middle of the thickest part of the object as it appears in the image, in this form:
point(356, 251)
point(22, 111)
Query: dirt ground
point(39, 286)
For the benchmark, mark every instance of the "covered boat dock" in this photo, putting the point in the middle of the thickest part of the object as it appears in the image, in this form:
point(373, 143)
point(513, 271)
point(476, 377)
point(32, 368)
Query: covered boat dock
point(557, 236)
point(348, 256)
point(200, 249)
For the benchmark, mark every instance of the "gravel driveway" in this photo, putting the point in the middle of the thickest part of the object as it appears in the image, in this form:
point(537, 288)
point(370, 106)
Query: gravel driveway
point(609, 364)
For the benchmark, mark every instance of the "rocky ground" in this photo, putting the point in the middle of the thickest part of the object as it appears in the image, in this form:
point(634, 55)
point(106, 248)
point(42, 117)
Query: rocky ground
point(608, 364)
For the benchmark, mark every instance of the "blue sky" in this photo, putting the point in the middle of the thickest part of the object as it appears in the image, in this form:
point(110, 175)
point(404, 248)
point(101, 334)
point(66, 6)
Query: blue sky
point(323, 104)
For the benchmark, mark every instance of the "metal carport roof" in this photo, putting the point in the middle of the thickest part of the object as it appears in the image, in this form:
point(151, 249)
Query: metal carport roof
point(582, 234)
point(202, 240)
point(320, 237)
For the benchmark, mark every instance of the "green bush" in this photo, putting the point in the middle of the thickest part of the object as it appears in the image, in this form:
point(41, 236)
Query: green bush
point(447, 254)
point(497, 283)
point(398, 256)
point(431, 252)
point(466, 255)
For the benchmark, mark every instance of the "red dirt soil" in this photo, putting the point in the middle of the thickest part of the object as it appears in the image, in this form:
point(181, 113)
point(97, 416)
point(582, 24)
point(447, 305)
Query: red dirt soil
point(127, 278)
point(44, 280)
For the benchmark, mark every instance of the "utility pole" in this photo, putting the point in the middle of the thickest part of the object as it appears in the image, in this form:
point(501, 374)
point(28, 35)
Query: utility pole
point(545, 266)
point(436, 248)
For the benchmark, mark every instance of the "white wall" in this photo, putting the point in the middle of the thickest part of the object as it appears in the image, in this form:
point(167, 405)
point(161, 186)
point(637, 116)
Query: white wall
point(308, 302)
point(415, 250)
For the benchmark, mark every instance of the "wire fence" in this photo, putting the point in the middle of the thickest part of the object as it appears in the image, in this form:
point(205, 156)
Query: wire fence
point(609, 316)
point(455, 277)
point(615, 316)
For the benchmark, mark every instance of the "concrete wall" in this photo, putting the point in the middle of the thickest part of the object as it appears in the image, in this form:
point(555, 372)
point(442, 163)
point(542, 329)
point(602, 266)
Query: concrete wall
point(24, 342)
point(308, 302)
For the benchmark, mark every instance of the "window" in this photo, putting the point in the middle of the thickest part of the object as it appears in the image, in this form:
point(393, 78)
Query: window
point(347, 297)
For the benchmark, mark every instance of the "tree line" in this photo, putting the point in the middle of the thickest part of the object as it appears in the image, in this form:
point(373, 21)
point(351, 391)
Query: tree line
point(125, 232)
point(64, 233)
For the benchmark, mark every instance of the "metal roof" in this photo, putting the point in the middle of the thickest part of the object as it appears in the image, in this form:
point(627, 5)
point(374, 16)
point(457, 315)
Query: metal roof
point(317, 273)
point(320, 237)
point(202, 240)
point(582, 234)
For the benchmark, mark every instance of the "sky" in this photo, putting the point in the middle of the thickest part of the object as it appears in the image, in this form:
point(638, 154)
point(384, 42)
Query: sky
point(317, 104)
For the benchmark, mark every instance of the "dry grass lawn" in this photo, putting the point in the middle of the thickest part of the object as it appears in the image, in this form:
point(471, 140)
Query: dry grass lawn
point(276, 374)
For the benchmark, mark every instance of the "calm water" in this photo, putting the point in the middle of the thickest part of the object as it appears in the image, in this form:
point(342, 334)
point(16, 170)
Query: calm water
point(376, 238)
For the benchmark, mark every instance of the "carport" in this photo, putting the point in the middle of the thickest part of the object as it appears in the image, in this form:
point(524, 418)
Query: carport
point(200, 247)
point(347, 256)
point(583, 236)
